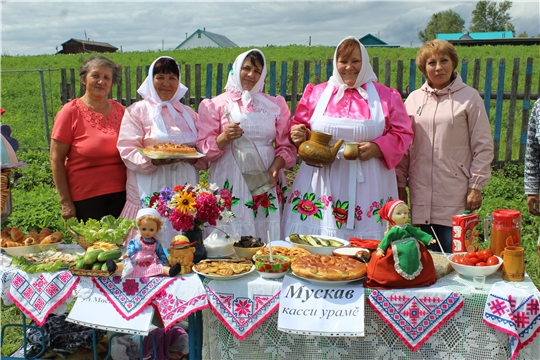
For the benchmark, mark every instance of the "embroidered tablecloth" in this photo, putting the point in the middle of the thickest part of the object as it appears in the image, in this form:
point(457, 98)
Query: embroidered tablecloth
point(37, 295)
point(514, 312)
point(130, 296)
point(415, 314)
point(242, 304)
point(181, 298)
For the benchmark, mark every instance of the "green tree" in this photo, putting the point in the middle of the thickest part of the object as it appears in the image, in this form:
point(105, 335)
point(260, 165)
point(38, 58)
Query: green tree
point(523, 35)
point(491, 16)
point(442, 22)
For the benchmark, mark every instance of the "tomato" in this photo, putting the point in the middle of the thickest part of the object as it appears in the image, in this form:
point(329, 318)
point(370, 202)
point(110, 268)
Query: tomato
point(481, 263)
point(471, 254)
point(474, 260)
point(457, 259)
point(467, 261)
point(483, 255)
point(492, 260)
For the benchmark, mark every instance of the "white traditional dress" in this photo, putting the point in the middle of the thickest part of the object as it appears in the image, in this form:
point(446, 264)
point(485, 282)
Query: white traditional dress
point(264, 120)
point(342, 199)
point(148, 122)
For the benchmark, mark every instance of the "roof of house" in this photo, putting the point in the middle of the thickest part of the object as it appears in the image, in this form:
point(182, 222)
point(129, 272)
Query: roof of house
point(370, 40)
point(477, 35)
point(220, 40)
point(86, 42)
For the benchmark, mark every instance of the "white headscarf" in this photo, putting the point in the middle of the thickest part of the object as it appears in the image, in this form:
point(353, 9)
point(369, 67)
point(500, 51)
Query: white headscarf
point(253, 96)
point(365, 75)
point(149, 93)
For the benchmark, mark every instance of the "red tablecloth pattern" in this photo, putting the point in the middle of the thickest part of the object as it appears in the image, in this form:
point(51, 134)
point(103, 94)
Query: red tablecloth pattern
point(37, 295)
point(415, 314)
point(514, 312)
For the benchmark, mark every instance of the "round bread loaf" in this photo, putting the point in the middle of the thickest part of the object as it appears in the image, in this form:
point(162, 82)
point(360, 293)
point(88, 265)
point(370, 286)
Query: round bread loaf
point(328, 267)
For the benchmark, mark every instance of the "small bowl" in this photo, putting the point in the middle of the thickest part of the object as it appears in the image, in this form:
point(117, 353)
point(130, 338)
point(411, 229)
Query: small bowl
point(246, 253)
point(323, 250)
point(272, 270)
point(470, 271)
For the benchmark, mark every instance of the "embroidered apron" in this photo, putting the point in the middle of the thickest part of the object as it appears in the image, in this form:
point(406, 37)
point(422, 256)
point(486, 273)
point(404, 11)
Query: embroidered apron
point(169, 175)
point(253, 216)
point(342, 199)
point(145, 262)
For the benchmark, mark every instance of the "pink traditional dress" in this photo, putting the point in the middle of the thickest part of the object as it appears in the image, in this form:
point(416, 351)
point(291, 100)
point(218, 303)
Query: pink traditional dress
point(265, 120)
point(145, 259)
point(148, 122)
point(342, 199)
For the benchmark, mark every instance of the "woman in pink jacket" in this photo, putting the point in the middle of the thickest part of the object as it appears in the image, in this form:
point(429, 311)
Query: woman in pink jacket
point(449, 160)
point(343, 198)
point(265, 120)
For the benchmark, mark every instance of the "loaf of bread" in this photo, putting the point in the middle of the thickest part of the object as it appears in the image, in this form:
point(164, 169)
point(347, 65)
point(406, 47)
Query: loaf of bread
point(16, 234)
point(43, 234)
point(442, 265)
point(33, 234)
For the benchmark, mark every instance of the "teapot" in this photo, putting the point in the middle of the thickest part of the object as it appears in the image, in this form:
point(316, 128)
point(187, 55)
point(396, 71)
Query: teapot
point(316, 151)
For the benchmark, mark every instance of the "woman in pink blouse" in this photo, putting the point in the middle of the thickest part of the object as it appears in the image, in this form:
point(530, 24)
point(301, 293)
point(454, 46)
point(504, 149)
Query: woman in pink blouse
point(265, 120)
point(87, 170)
point(158, 118)
point(343, 198)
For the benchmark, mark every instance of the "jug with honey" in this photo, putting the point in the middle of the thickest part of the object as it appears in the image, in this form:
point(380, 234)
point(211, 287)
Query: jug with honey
point(505, 229)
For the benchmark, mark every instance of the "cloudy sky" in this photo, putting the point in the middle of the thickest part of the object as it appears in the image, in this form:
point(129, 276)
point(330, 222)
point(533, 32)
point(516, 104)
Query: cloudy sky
point(32, 28)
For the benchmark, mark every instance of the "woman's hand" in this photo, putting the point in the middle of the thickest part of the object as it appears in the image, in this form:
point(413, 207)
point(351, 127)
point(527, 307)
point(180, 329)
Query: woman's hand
point(230, 133)
point(474, 199)
point(298, 134)
point(533, 203)
point(368, 150)
point(68, 210)
point(273, 170)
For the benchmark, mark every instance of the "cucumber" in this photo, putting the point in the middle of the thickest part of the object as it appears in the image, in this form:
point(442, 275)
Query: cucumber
point(109, 255)
point(91, 257)
point(104, 267)
point(82, 265)
point(311, 240)
point(97, 265)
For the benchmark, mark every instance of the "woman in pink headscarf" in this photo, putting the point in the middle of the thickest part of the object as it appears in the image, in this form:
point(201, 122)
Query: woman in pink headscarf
point(343, 198)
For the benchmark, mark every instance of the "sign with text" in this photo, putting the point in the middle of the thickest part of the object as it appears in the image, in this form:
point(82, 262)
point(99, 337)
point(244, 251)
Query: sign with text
point(326, 310)
point(97, 312)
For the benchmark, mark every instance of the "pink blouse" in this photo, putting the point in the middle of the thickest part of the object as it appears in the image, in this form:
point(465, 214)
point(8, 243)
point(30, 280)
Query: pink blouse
point(212, 120)
point(398, 133)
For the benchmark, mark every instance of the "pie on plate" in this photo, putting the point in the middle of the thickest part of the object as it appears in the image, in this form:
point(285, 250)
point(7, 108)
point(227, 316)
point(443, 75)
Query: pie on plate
point(223, 267)
point(170, 150)
point(328, 267)
point(292, 253)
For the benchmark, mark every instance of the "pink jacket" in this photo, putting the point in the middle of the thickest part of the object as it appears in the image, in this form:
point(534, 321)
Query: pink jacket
point(451, 152)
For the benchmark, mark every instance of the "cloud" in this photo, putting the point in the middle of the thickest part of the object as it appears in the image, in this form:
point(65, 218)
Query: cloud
point(31, 28)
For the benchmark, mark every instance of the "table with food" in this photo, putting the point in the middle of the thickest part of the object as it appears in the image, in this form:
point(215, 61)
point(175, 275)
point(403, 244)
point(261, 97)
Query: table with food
point(303, 296)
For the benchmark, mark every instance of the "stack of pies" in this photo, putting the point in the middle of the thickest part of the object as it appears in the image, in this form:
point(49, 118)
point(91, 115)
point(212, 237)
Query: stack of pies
point(169, 149)
point(292, 253)
point(328, 267)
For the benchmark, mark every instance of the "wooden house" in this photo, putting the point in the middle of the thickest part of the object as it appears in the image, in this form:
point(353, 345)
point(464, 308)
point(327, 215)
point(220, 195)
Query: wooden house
point(487, 38)
point(76, 46)
point(203, 38)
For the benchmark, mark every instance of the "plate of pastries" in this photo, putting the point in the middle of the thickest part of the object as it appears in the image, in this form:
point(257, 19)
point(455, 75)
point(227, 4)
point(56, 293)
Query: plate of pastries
point(15, 243)
point(323, 269)
point(170, 151)
point(224, 269)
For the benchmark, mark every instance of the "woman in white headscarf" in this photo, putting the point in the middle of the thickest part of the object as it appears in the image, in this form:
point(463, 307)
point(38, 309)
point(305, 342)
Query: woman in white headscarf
point(158, 118)
point(342, 199)
point(262, 118)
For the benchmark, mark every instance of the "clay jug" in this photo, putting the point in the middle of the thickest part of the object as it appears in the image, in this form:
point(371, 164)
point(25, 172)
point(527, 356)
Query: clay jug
point(316, 151)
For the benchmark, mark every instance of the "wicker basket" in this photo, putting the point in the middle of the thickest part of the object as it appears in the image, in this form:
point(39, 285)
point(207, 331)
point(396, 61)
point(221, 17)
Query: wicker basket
point(81, 240)
point(5, 190)
point(94, 273)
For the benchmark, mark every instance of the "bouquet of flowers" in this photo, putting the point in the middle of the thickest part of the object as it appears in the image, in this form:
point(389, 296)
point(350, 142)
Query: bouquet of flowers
point(189, 207)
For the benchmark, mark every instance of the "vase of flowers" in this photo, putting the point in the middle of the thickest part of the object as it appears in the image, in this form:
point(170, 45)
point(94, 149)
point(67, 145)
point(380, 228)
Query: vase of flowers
point(190, 208)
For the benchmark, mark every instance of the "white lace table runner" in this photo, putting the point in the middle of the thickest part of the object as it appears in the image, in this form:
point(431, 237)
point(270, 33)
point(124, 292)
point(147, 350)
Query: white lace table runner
point(464, 336)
